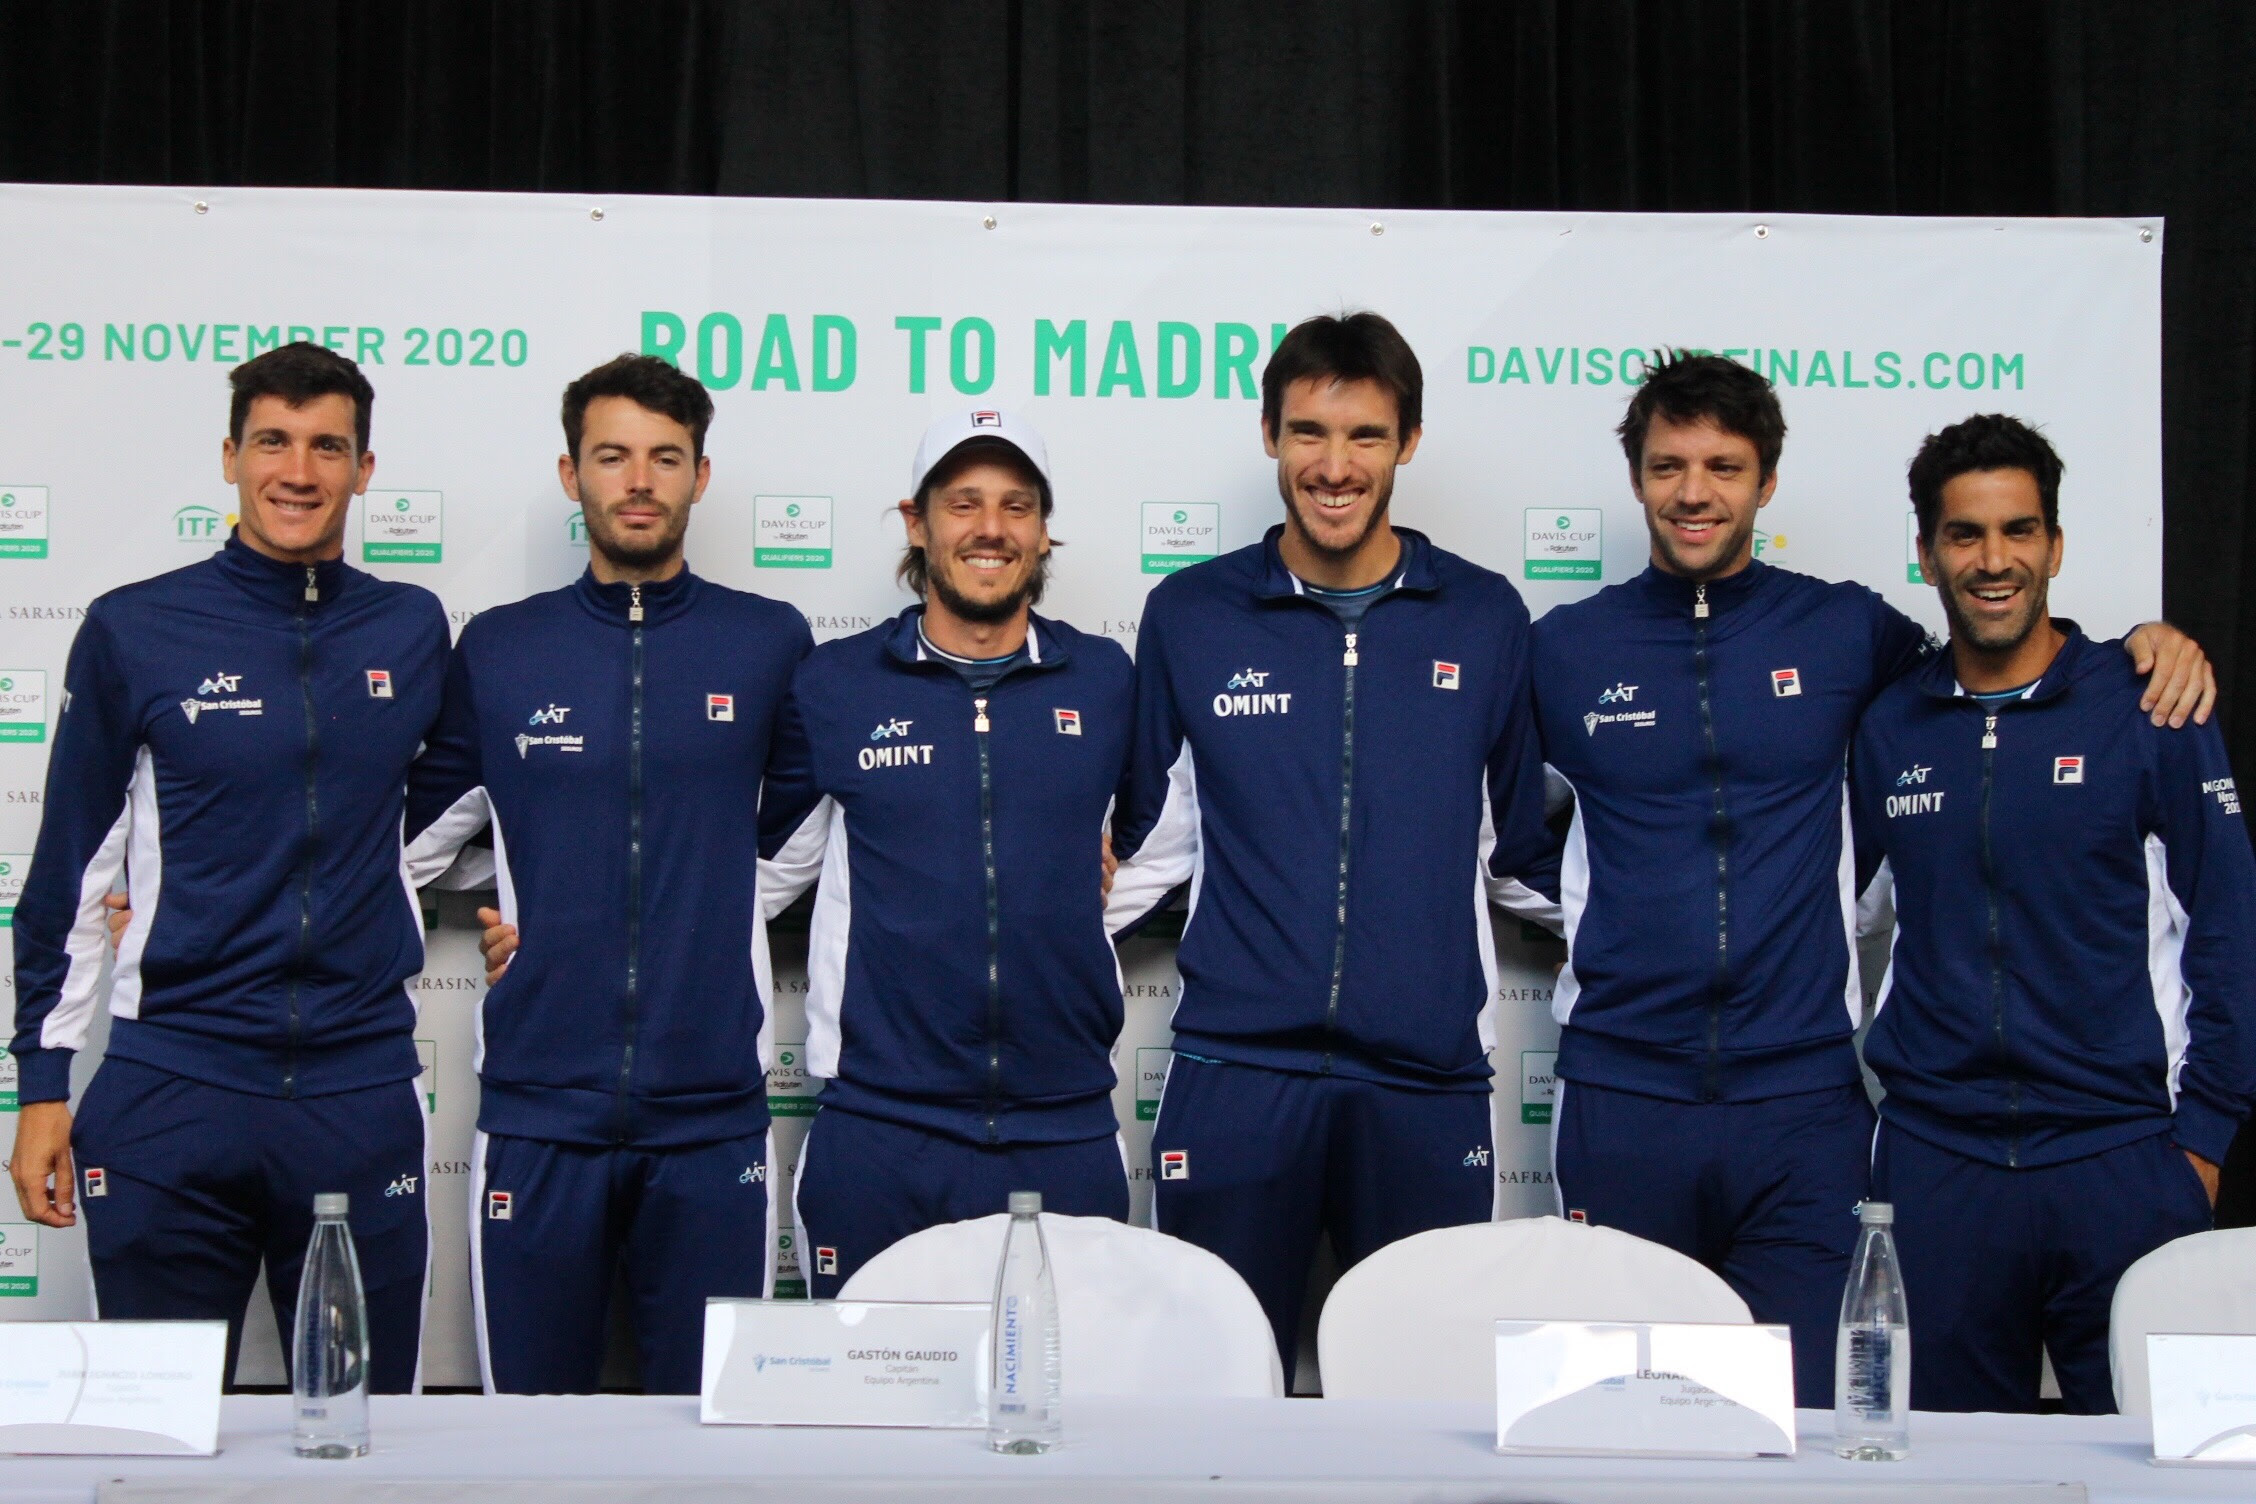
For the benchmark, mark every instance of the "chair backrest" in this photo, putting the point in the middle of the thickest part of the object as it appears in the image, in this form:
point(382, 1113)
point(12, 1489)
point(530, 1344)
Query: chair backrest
point(1138, 1312)
point(1416, 1320)
point(2202, 1283)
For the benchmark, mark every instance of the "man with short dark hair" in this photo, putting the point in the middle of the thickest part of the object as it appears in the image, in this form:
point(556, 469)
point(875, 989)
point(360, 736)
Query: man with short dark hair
point(1699, 716)
point(1334, 751)
point(947, 774)
point(615, 734)
point(233, 744)
point(2067, 1034)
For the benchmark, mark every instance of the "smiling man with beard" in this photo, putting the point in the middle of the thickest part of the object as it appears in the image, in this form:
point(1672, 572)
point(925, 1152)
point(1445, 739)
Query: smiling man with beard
point(615, 733)
point(1332, 746)
point(947, 776)
point(2068, 1034)
point(1699, 717)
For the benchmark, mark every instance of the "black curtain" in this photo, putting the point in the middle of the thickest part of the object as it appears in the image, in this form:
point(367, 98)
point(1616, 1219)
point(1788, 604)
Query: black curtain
point(1981, 107)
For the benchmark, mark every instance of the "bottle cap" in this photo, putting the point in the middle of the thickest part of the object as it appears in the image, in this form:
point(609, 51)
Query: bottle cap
point(331, 1204)
point(1025, 1203)
point(1877, 1213)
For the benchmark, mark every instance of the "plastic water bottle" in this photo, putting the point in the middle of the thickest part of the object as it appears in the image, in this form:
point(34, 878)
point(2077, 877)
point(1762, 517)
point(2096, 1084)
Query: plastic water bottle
point(1024, 1384)
point(1872, 1362)
point(329, 1349)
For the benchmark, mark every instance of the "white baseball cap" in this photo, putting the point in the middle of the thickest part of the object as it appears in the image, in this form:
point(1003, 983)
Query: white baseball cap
point(960, 425)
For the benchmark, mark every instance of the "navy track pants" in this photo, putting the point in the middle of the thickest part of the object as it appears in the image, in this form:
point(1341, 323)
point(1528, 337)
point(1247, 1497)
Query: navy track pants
point(865, 1184)
point(1255, 1165)
point(187, 1188)
point(552, 1225)
point(2001, 1265)
point(1764, 1193)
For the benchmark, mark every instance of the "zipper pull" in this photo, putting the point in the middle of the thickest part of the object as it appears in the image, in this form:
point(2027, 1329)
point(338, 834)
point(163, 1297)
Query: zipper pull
point(1700, 602)
point(313, 591)
point(1989, 733)
point(979, 715)
point(1349, 659)
point(634, 603)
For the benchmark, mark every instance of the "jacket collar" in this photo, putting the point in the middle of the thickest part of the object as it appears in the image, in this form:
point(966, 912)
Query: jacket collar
point(1938, 677)
point(278, 583)
point(1277, 583)
point(662, 600)
point(1674, 593)
point(904, 642)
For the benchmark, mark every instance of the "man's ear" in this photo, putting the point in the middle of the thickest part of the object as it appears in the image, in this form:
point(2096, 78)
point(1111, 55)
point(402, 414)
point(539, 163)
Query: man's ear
point(568, 476)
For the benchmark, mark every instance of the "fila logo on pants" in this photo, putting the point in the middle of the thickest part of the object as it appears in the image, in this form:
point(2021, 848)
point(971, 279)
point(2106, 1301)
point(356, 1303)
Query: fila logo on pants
point(497, 1206)
point(826, 1261)
point(1175, 1164)
point(97, 1182)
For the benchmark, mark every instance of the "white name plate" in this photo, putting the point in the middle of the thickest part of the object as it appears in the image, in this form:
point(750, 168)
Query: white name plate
point(2203, 1394)
point(1658, 1389)
point(111, 1388)
point(845, 1363)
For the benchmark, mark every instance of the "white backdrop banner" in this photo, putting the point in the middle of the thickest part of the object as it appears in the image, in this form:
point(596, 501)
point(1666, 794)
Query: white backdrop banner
point(829, 333)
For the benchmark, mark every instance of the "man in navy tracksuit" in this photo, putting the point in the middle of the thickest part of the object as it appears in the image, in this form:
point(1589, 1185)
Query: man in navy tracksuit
point(1333, 749)
point(1699, 716)
point(2068, 1031)
point(233, 743)
point(615, 733)
point(948, 775)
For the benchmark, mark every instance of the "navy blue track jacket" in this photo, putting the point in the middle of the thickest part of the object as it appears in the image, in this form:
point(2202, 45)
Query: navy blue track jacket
point(234, 739)
point(2075, 956)
point(959, 974)
point(620, 763)
point(1341, 803)
point(1706, 885)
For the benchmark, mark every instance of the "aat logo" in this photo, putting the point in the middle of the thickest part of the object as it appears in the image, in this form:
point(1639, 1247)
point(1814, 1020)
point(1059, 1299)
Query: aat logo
point(200, 524)
point(23, 522)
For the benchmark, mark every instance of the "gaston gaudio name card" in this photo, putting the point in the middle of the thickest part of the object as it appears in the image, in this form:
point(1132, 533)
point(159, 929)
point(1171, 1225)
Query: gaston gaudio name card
point(845, 1363)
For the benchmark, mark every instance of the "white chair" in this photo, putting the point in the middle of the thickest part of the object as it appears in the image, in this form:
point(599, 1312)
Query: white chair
point(1138, 1312)
point(1416, 1320)
point(2202, 1283)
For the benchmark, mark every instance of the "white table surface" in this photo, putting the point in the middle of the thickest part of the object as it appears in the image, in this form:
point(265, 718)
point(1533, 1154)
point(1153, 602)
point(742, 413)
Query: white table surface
point(619, 1448)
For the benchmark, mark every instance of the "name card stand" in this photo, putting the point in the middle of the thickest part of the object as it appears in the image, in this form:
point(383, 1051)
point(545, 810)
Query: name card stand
point(111, 1388)
point(845, 1363)
point(1644, 1389)
point(2202, 1394)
